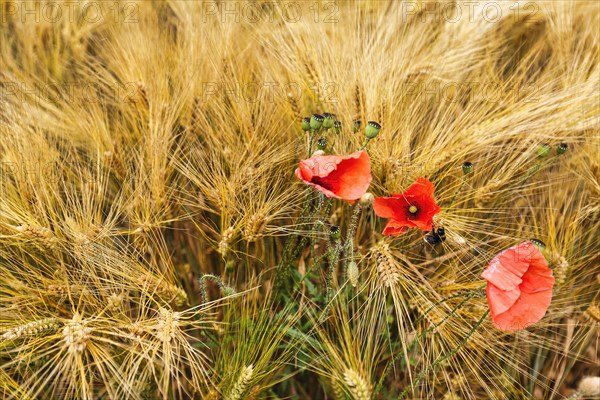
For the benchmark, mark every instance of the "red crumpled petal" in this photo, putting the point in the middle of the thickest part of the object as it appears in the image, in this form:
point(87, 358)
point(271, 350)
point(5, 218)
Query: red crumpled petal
point(421, 187)
point(519, 287)
point(527, 310)
point(343, 177)
point(387, 207)
point(394, 228)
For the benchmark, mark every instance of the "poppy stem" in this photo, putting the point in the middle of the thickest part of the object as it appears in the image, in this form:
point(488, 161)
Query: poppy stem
point(292, 248)
point(446, 357)
point(311, 138)
point(467, 294)
point(225, 290)
point(364, 146)
point(349, 244)
point(310, 142)
point(462, 184)
point(334, 253)
point(539, 165)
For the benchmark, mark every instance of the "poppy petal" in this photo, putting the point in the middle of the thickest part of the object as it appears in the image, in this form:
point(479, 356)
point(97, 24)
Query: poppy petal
point(502, 278)
point(422, 186)
point(519, 289)
point(343, 177)
point(394, 228)
point(387, 207)
point(500, 300)
point(527, 310)
point(353, 176)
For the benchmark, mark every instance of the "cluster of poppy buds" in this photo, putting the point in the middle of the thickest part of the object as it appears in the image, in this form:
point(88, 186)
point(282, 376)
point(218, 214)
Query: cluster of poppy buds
point(328, 121)
point(544, 149)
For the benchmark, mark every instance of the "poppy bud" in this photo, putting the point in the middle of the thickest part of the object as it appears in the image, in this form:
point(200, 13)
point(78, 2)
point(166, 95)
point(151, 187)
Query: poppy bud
point(538, 243)
point(337, 127)
point(335, 232)
point(543, 150)
point(328, 120)
point(322, 143)
point(373, 129)
point(356, 125)
point(367, 199)
point(305, 124)
point(316, 121)
point(562, 148)
point(467, 167)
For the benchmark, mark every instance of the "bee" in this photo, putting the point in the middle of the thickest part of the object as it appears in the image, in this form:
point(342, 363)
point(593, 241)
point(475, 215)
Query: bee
point(435, 236)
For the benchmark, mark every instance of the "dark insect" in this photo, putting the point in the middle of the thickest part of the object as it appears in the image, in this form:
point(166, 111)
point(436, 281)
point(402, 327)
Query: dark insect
point(435, 236)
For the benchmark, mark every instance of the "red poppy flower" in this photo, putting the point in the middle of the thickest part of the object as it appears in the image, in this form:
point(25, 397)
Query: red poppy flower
point(519, 287)
point(341, 177)
point(414, 208)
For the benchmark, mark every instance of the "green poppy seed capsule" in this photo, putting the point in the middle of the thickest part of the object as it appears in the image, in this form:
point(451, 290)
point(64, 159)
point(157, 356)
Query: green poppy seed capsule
point(316, 121)
point(322, 143)
point(335, 232)
point(543, 150)
point(467, 167)
point(562, 148)
point(538, 243)
point(373, 129)
point(328, 120)
point(337, 127)
point(356, 125)
point(305, 124)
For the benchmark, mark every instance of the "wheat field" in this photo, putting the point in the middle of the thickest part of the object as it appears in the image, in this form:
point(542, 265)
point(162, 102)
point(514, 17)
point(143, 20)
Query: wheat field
point(156, 243)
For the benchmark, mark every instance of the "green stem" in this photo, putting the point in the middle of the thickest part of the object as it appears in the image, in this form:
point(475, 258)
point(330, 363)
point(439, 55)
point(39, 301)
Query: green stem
point(364, 146)
point(202, 282)
point(334, 253)
point(349, 244)
point(310, 142)
point(540, 163)
point(468, 296)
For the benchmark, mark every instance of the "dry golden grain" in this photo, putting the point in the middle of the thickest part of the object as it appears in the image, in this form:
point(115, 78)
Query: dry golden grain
point(167, 325)
point(226, 238)
point(76, 334)
point(561, 269)
point(357, 385)
point(254, 227)
point(386, 265)
point(30, 329)
point(241, 384)
point(593, 313)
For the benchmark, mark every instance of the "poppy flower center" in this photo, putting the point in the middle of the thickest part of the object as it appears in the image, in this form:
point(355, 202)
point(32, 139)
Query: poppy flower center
point(323, 183)
point(413, 209)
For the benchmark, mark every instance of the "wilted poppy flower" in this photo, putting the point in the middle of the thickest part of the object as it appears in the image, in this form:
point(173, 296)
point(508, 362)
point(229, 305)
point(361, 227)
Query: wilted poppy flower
point(414, 208)
point(519, 287)
point(341, 177)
